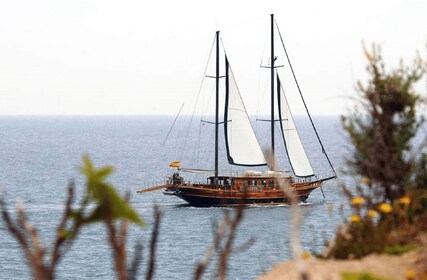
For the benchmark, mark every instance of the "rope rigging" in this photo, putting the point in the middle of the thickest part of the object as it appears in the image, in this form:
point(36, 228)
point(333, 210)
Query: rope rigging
point(183, 147)
point(302, 98)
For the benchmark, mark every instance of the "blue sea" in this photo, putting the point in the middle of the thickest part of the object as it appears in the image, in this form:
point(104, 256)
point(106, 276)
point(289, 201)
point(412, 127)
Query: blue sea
point(40, 155)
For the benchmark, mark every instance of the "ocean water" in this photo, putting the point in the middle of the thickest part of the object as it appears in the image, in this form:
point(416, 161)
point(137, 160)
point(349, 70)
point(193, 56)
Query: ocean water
point(39, 155)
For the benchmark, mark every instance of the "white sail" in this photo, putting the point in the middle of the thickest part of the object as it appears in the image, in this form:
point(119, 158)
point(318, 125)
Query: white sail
point(242, 145)
point(297, 157)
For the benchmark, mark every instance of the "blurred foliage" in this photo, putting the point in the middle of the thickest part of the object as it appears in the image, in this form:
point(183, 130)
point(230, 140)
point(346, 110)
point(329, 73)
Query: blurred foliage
point(382, 128)
point(399, 249)
point(100, 204)
point(389, 201)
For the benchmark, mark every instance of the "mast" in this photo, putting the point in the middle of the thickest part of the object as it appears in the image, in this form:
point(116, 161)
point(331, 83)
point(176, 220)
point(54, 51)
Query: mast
point(216, 107)
point(272, 82)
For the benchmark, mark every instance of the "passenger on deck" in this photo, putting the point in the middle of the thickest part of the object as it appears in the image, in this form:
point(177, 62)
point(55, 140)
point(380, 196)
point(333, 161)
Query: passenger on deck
point(176, 179)
point(227, 184)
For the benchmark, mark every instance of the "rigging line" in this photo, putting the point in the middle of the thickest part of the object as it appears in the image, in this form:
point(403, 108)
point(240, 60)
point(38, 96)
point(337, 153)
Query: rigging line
point(203, 151)
point(324, 197)
point(261, 86)
point(174, 121)
point(198, 96)
point(198, 148)
point(262, 89)
point(305, 105)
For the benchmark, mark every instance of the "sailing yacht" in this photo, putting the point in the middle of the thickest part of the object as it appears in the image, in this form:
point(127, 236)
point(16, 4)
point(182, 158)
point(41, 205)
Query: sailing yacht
point(270, 187)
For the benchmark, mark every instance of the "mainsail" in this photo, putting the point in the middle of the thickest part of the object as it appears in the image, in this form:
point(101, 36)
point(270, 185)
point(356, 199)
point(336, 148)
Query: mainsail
point(295, 150)
point(242, 145)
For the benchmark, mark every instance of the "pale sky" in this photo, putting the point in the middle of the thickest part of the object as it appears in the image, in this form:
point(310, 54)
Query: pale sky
point(108, 57)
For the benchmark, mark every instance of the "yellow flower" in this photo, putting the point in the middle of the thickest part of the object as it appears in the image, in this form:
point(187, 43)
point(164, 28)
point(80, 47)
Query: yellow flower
point(372, 213)
point(305, 255)
point(411, 274)
point(385, 208)
point(357, 200)
point(354, 218)
point(405, 200)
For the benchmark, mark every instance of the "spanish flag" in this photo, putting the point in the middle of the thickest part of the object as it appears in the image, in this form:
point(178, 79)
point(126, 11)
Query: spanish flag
point(175, 164)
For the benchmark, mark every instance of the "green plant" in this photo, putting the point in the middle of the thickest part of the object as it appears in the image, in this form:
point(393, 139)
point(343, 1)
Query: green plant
point(382, 127)
point(389, 201)
point(399, 249)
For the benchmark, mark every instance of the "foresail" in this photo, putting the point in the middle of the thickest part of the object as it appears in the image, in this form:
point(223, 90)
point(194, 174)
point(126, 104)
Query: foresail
point(297, 157)
point(242, 145)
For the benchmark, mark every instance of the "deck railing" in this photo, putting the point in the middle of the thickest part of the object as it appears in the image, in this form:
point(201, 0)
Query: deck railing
point(149, 184)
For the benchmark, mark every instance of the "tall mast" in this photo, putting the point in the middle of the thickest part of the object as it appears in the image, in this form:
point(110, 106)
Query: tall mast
point(272, 82)
point(216, 107)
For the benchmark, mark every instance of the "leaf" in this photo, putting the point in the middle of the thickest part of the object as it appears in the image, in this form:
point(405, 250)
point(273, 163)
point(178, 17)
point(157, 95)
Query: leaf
point(114, 207)
point(109, 204)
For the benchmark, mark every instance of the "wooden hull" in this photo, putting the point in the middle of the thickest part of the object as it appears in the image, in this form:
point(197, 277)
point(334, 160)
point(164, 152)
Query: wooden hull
point(203, 200)
point(207, 195)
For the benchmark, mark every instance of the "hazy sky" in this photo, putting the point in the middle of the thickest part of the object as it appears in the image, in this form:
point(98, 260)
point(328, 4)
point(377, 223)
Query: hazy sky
point(148, 57)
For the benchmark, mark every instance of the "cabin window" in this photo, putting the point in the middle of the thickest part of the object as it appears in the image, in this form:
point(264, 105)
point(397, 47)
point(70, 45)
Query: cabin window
point(271, 183)
point(245, 183)
point(255, 182)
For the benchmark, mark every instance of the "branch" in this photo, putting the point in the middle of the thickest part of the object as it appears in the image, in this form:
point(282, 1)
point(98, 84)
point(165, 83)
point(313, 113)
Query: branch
point(154, 237)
